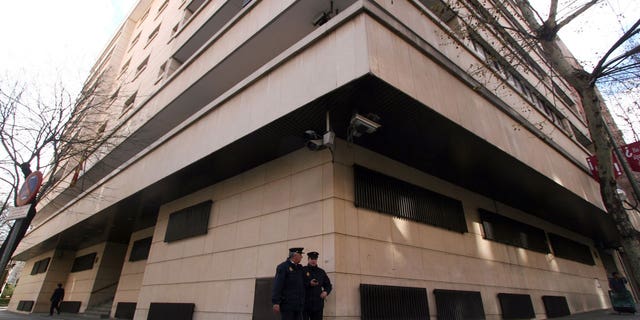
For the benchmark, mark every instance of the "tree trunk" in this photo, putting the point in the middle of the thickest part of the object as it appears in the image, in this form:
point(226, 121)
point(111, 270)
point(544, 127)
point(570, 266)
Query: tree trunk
point(592, 103)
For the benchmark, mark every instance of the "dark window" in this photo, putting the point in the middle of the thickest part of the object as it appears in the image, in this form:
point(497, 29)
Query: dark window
point(385, 194)
point(189, 222)
point(25, 305)
point(83, 262)
point(262, 308)
point(458, 305)
point(572, 250)
point(556, 306)
point(162, 311)
point(40, 266)
point(125, 310)
point(502, 229)
point(379, 302)
point(140, 249)
point(516, 306)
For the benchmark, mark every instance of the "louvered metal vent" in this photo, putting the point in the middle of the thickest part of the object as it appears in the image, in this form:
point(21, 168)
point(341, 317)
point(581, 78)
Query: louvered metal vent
point(502, 229)
point(572, 250)
point(379, 302)
point(25, 305)
point(188, 222)
point(516, 306)
point(556, 306)
point(458, 305)
point(385, 194)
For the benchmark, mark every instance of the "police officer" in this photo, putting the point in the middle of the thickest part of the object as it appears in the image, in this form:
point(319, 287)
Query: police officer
point(317, 285)
point(288, 287)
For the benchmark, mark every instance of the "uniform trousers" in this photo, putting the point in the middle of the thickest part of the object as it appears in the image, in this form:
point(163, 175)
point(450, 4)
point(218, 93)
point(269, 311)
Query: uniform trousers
point(312, 315)
point(290, 315)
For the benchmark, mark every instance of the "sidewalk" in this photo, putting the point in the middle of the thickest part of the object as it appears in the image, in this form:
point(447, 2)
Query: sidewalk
point(606, 314)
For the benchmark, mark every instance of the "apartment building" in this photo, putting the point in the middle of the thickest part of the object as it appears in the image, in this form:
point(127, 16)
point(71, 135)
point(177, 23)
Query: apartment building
point(435, 162)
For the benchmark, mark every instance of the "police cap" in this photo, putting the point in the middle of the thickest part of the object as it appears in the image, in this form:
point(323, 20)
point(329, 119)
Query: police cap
point(313, 255)
point(296, 250)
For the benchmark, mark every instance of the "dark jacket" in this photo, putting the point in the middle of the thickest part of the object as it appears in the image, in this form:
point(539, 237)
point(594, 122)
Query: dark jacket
point(58, 294)
point(618, 284)
point(288, 287)
point(313, 302)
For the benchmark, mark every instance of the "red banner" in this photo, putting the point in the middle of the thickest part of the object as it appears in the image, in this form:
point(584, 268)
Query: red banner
point(631, 153)
point(592, 162)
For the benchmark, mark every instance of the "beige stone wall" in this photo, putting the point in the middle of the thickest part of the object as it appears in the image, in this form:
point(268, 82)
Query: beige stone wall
point(39, 287)
point(79, 285)
point(131, 276)
point(256, 216)
point(376, 248)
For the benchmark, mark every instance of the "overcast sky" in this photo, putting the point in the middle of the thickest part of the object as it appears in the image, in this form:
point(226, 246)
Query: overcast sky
point(48, 40)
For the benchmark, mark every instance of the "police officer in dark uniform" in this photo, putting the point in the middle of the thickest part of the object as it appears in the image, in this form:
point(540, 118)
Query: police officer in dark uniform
point(317, 285)
point(288, 287)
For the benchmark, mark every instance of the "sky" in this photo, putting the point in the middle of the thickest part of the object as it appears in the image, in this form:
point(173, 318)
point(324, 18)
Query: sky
point(44, 41)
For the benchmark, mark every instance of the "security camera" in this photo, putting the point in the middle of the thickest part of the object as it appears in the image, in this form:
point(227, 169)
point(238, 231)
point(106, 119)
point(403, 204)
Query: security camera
point(316, 142)
point(361, 124)
point(321, 19)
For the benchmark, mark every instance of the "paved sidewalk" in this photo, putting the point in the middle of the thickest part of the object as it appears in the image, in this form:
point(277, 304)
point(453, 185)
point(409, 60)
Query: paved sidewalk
point(606, 314)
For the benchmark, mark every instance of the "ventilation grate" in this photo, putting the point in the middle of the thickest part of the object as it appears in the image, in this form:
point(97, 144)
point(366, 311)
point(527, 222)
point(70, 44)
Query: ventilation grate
point(389, 195)
point(458, 305)
point(378, 302)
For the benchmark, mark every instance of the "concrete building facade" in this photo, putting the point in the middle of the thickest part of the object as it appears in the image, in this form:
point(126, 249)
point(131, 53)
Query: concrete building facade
point(456, 180)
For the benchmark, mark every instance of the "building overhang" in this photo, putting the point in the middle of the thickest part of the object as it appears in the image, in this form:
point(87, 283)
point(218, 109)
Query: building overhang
point(412, 134)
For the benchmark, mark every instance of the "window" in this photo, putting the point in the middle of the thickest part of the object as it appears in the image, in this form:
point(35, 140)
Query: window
point(124, 67)
point(153, 34)
point(440, 9)
point(83, 262)
point(162, 7)
point(144, 16)
point(502, 229)
point(189, 222)
point(556, 306)
point(25, 305)
point(142, 66)
point(40, 266)
point(129, 103)
point(571, 250)
point(134, 41)
point(388, 195)
point(115, 94)
point(140, 249)
point(174, 31)
point(161, 71)
point(391, 302)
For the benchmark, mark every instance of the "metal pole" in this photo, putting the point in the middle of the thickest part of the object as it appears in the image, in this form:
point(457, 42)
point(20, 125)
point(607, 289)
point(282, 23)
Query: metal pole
point(624, 164)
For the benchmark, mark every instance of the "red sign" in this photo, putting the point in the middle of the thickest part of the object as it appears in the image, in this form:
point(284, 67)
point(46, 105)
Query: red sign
point(592, 162)
point(632, 155)
point(29, 188)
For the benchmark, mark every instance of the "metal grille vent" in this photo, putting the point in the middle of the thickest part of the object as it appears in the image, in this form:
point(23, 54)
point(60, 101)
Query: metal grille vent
point(569, 249)
point(458, 305)
point(25, 305)
point(389, 195)
point(516, 306)
point(189, 222)
point(378, 302)
point(556, 306)
point(511, 232)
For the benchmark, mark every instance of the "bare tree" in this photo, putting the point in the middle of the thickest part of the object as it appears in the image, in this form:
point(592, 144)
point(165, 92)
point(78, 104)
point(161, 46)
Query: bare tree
point(52, 132)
